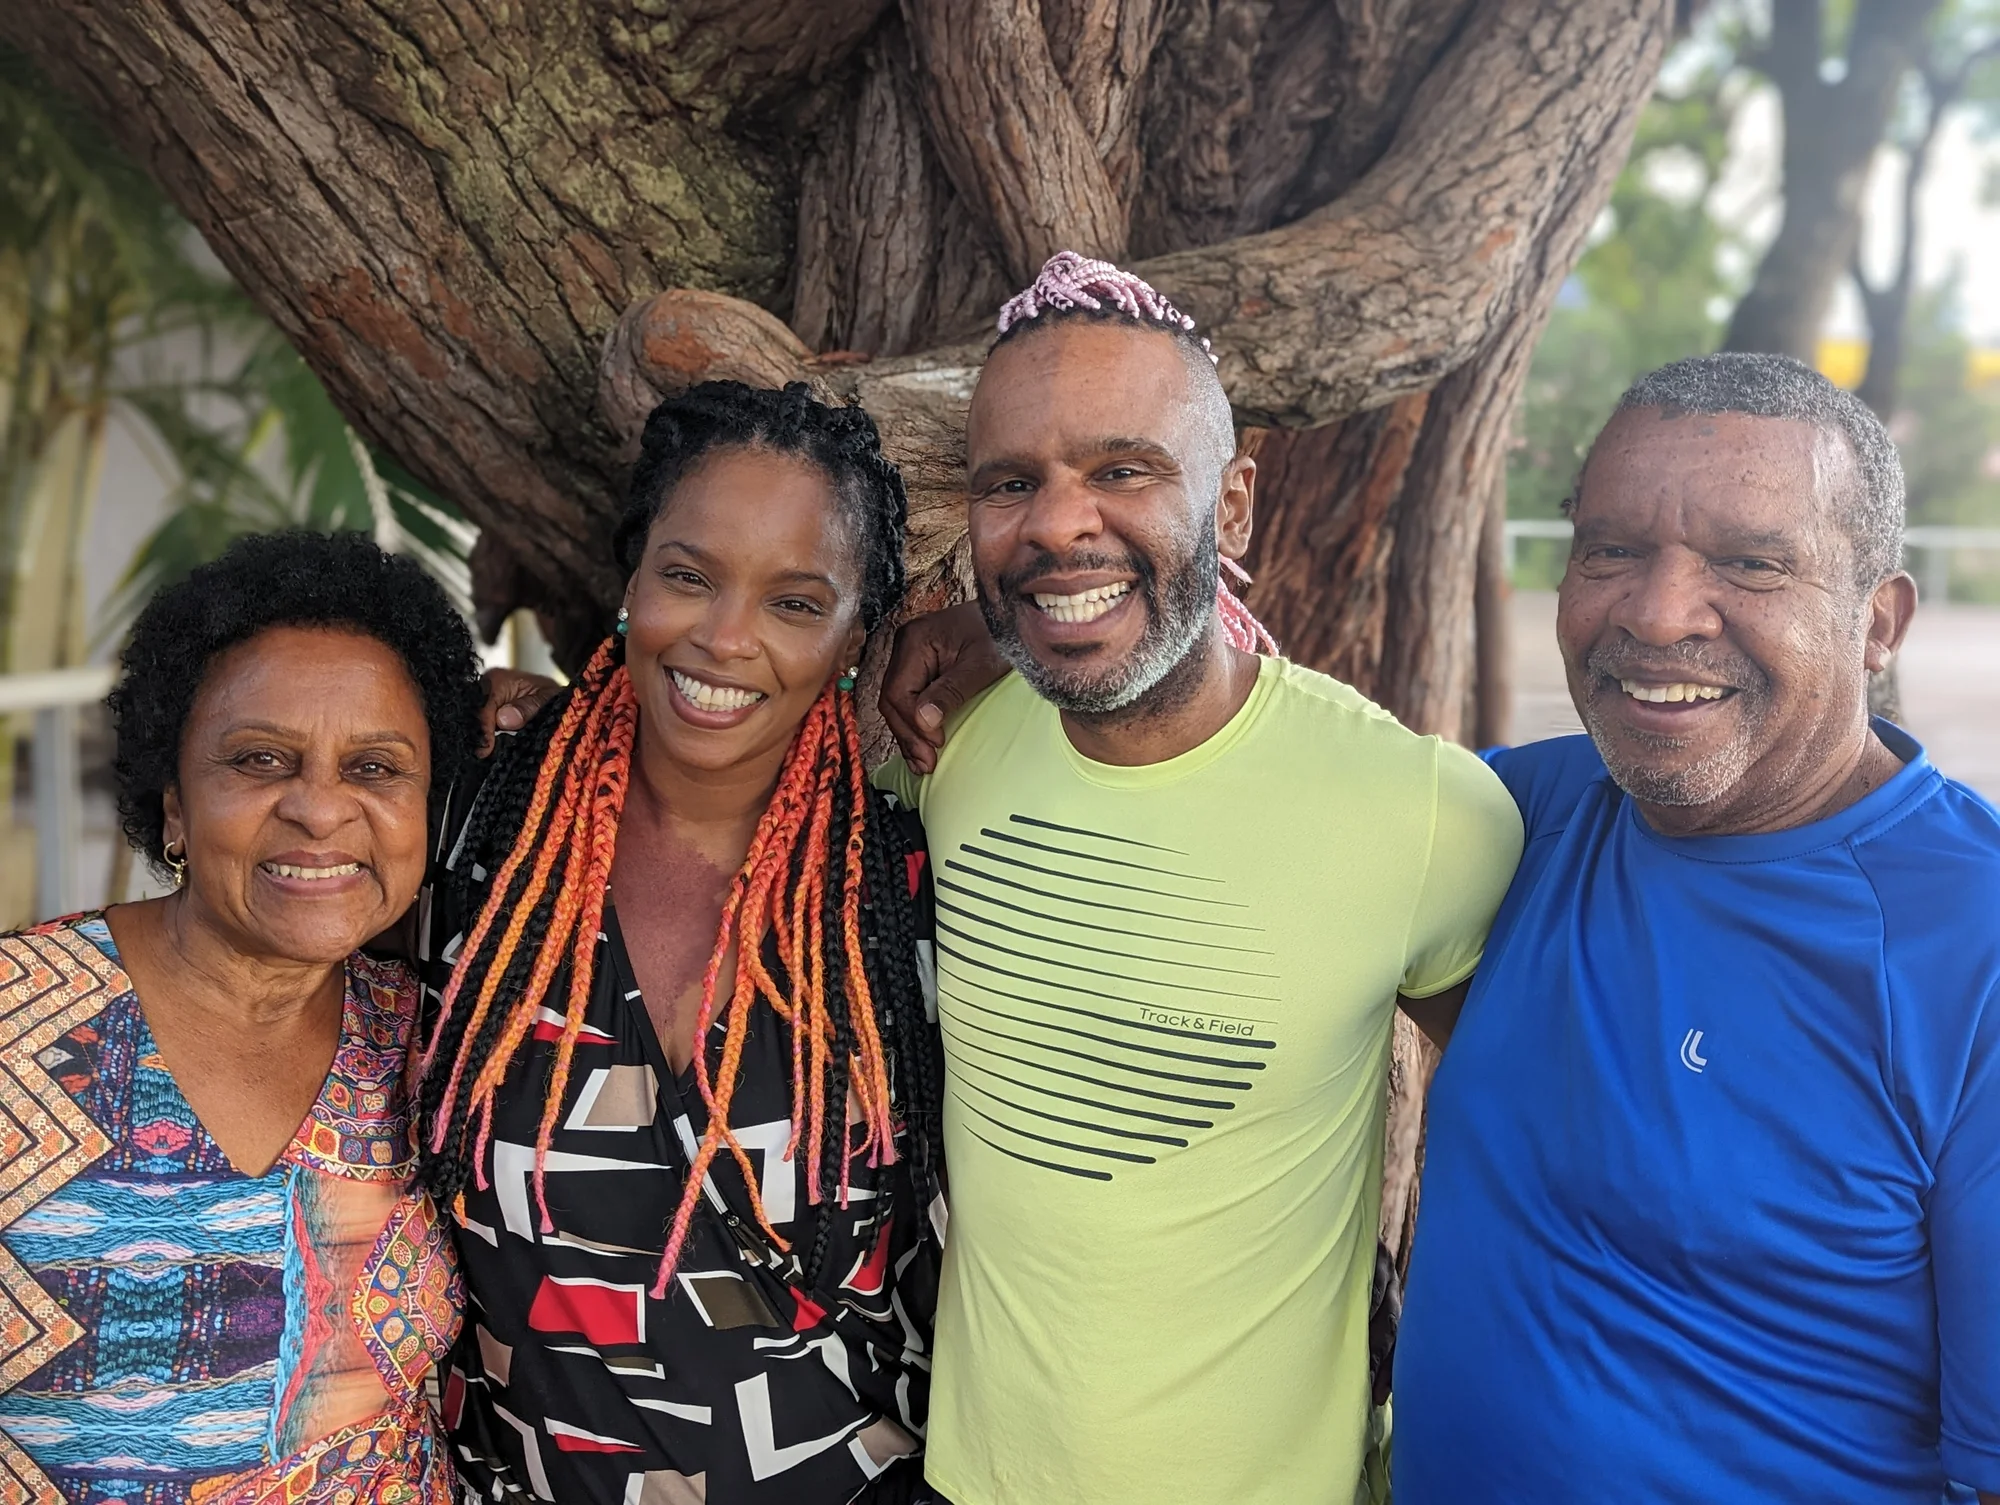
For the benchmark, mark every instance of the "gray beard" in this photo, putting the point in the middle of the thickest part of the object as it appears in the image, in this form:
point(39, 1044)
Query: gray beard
point(1681, 788)
point(1179, 613)
point(1699, 783)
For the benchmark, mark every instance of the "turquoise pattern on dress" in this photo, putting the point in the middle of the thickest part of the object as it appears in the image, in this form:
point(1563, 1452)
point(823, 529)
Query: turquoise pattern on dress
point(222, 1313)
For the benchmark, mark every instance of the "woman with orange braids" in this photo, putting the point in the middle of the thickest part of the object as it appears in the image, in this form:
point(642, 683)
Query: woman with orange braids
point(682, 1086)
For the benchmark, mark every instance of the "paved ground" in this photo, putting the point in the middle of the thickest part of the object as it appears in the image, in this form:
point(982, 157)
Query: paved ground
point(1950, 672)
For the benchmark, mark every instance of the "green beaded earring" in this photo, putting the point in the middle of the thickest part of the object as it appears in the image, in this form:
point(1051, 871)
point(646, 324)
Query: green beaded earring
point(624, 621)
point(846, 681)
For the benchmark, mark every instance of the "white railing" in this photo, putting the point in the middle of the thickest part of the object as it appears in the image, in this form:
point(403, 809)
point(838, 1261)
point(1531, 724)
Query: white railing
point(1932, 546)
point(57, 771)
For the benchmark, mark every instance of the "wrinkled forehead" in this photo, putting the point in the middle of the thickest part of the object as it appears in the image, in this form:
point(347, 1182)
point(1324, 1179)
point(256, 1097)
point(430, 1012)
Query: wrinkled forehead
point(1048, 390)
point(1669, 471)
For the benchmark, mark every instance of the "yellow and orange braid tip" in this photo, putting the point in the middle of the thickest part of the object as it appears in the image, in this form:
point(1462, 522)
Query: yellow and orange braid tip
point(816, 1024)
point(714, 1136)
point(574, 712)
point(546, 844)
point(569, 841)
point(531, 840)
point(606, 807)
point(521, 1014)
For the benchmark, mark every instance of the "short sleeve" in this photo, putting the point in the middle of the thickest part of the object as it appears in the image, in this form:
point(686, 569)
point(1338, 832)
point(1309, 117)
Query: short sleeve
point(896, 777)
point(1475, 844)
point(1965, 1239)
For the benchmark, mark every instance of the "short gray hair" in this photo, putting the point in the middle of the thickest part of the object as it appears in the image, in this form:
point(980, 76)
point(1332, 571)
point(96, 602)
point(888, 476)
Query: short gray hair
point(1777, 386)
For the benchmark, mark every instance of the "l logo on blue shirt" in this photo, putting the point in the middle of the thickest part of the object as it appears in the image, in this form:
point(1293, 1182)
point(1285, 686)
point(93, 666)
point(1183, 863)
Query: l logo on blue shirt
point(1691, 1056)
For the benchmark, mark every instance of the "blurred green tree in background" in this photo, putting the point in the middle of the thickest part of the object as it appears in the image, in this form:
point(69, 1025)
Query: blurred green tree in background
point(111, 310)
point(1669, 265)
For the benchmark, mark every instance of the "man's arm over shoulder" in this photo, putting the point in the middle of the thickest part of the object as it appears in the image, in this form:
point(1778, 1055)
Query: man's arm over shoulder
point(1475, 844)
point(910, 783)
point(1965, 1243)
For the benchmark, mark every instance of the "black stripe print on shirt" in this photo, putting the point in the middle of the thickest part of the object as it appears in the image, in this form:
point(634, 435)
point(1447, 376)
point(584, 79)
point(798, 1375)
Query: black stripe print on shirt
point(1102, 1002)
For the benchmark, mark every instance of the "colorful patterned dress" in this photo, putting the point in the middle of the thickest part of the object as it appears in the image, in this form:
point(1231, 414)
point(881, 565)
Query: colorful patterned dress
point(174, 1330)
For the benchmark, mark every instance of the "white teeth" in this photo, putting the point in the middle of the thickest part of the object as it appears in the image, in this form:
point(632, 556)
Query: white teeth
point(1664, 694)
point(1085, 606)
point(289, 870)
point(707, 697)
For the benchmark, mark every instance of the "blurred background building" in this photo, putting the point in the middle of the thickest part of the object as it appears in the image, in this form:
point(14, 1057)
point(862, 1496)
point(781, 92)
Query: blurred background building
point(149, 413)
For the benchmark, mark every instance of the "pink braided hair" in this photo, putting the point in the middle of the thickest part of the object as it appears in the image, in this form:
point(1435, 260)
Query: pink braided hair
point(1067, 282)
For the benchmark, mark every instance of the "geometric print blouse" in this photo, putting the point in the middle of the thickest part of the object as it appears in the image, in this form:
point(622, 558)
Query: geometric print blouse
point(748, 1382)
point(173, 1330)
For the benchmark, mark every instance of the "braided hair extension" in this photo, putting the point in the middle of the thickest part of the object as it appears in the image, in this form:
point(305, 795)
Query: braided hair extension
point(1071, 287)
point(819, 918)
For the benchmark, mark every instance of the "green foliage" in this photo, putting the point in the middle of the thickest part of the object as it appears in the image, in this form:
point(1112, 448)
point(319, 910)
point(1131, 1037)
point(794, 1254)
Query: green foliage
point(1947, 428)
point(99, 276)
point(1662, 273)
point(280, 456)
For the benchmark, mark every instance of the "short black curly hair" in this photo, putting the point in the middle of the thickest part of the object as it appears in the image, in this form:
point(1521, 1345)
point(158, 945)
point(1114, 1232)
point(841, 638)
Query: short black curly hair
point(841, 441)
point(288, 579)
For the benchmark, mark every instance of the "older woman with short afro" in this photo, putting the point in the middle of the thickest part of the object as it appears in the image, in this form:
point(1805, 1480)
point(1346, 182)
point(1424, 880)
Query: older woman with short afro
point(226, 1286)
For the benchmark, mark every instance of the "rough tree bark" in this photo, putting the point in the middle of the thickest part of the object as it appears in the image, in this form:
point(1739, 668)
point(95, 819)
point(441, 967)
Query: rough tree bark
point(449, 206)
point(1834, 119)
point(499, 234)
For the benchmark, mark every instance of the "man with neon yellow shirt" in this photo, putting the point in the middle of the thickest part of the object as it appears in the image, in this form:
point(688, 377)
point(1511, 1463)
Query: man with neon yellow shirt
point(1181, 888)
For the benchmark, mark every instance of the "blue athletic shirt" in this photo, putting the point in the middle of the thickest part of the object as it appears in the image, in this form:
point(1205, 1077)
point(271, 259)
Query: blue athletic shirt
point(1711, 1201)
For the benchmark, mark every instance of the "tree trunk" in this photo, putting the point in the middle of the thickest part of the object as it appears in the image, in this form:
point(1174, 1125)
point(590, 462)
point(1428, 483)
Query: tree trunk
point(449, 209)
point(1832, 128)
point(1888, 306)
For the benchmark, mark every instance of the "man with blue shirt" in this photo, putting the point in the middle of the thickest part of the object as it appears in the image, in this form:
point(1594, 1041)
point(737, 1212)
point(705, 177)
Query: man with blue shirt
point(1712, 1195)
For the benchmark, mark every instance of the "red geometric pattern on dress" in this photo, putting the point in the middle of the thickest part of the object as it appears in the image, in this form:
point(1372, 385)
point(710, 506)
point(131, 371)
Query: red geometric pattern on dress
point(871, 1270)
point(365, 1464)
point(352, 1131)
point(51, 981)
point(410, 1302)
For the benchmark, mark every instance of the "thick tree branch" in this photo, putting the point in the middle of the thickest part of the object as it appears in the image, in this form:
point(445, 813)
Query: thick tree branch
point(1391, 288)
point(731, 53)
point(888, 253)
point(1102, 50)
point(444, 224)
point(1397, 283)
point(1008, 133)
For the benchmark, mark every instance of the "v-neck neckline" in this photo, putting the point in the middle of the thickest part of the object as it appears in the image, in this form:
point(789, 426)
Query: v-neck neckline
point(631, 996)
point(287, 1157)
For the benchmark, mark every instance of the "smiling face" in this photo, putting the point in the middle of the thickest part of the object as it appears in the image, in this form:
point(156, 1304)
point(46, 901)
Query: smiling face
point(302, 795)
point(746, 602)
point(1716, 640)
point(1102, 484)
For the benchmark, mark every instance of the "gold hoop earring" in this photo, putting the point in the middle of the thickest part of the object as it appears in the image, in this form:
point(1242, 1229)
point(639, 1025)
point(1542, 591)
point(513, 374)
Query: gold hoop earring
point(176, 864)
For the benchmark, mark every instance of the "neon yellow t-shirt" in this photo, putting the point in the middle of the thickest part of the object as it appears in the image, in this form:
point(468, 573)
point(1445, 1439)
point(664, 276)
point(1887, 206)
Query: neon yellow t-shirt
point(1166, 994)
